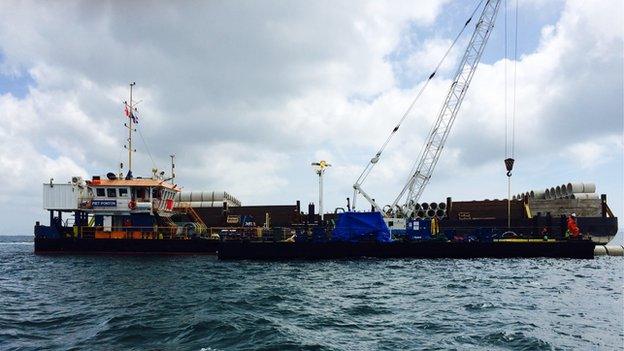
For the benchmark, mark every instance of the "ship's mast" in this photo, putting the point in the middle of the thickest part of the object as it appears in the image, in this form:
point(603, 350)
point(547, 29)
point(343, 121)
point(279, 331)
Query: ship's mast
point(129, 109)
point(130, 132)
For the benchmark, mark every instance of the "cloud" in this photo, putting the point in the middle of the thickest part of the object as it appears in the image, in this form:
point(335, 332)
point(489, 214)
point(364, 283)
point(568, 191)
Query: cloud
point(248, 94)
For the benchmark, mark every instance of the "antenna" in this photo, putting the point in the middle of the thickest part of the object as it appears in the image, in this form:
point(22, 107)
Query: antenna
point(172, 167)
point(129, 109)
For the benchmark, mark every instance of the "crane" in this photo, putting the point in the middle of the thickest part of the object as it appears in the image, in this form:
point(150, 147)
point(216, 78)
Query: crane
point(422, 169)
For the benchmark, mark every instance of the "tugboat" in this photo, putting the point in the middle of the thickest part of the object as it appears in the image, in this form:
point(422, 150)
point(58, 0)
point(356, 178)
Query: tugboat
point(118, 213)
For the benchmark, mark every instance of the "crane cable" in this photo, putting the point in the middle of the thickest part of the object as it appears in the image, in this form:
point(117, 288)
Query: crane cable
point(515, 75)
point(510, 146)
point(510, 123)
point(374, 160)
point(146, 148)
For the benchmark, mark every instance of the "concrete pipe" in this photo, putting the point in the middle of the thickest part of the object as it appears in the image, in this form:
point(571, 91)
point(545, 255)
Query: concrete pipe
point(573, 188)
point(421, 214)
point(589, 187)
point(424, 206)
point(442, 206)
point(200, 204)
point(440, 213)
point(206, 196)
point(581, 188)
point(609, 250)
point(537, 194)
point(558, 192)
point(564, 190)
point(584, 196)
point(417, 207)
point(433, 206)
point(431, 213)
point(615, 250)
point(398, 210)
point(553, 193)
point(600, 250)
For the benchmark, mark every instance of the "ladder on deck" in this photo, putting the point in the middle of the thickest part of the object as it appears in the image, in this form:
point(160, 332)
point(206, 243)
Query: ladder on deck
point(193, 215)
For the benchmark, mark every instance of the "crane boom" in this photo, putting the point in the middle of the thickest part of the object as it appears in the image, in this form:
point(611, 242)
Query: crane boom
point(423, 168)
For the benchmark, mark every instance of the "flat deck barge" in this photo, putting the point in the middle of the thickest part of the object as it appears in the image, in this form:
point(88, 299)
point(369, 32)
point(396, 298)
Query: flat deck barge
point(579, 249)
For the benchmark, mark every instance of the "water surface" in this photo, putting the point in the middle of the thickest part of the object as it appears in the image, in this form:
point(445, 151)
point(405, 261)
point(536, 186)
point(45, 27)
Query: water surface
point(197, 302)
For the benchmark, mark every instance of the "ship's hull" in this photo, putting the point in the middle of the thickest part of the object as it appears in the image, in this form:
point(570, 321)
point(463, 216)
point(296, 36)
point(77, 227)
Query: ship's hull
point(128, 246)
point(580, 249)
point(583, 249)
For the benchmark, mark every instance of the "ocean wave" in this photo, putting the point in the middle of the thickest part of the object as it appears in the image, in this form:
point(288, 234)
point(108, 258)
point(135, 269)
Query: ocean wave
point(199, 303)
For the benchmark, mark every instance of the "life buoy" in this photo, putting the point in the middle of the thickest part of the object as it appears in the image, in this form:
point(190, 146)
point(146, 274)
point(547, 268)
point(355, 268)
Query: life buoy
point(132, 204)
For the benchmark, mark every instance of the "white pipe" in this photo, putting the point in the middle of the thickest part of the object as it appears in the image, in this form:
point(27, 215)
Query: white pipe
point(582, 196)
point(589, 187)
point(581, 188)
point(609, 250)
point(574, 188)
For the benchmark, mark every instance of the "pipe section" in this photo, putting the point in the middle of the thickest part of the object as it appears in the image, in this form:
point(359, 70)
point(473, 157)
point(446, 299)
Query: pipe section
point(609, 250)
point(584, 196)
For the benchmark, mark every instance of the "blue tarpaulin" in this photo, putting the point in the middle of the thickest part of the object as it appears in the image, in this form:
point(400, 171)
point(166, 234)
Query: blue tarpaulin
point(357, 226)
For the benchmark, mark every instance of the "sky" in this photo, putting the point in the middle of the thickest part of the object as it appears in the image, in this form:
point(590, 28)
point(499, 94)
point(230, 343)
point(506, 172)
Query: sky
point(248, 94)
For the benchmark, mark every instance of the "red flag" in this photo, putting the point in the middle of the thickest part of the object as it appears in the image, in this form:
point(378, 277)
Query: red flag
point(126, 110)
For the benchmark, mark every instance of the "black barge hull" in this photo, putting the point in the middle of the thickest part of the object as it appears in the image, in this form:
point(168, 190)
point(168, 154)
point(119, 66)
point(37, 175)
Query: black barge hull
point(581, 249)
point(125, 246)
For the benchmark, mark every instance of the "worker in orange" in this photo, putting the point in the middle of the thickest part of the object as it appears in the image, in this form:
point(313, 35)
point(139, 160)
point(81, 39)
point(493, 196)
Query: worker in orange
point(573, 228)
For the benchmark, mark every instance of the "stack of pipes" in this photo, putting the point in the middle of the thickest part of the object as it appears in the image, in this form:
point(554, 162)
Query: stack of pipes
point(429, 210)
point(206, 199)
point(563, 191)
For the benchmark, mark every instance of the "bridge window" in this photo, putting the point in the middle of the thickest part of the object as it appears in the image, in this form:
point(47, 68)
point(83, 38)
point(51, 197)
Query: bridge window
point(111, 192)
point(123, 192)
point(100, 192)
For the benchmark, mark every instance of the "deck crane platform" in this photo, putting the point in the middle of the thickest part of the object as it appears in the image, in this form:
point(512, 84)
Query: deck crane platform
point(423, 168)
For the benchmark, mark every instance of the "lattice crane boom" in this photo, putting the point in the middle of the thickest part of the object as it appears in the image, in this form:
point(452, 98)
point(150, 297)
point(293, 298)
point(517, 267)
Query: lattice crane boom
point(423, 168)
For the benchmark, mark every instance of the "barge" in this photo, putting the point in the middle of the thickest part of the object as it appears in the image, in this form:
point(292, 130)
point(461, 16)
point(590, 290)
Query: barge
point(580, 249)
point(122, 214)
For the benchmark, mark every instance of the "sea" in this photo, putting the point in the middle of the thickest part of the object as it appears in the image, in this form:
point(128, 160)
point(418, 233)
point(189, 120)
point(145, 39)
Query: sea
point(125, 302)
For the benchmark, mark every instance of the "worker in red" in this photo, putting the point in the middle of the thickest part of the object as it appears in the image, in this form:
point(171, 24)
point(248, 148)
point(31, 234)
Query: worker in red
point(573, 228)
